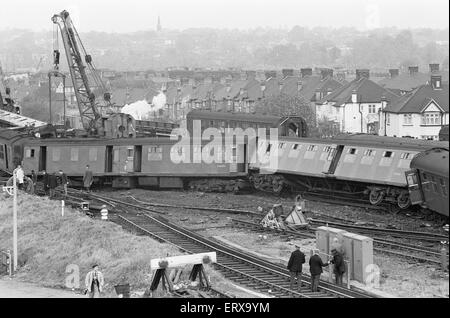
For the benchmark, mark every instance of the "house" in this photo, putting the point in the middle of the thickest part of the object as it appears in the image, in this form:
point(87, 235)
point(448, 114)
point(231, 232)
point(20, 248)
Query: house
point(420, 114)
point(407, 82)
point(354, 107)
point(69, 91)
point(248, 96)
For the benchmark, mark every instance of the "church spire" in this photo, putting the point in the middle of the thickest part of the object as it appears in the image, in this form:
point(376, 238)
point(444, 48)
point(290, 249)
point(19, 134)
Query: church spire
point(158, 26)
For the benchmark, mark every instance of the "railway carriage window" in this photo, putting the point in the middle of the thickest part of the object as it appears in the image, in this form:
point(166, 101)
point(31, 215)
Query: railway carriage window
point(130, 152)
point(93, 154)
point(426, 182)
point(327, 149)
point(29, 153)
point(433, 182)
point(443, 187)
point(269, 146)
point(352, 151)
point(2, 152)
point(312, 148)
point(296, 147)
point(56, 154)
point(74, 154)
point(388, 154)
point(211, 123)
point(406, 155)
point(281, 145)
point(369, 153)
point(155, 153)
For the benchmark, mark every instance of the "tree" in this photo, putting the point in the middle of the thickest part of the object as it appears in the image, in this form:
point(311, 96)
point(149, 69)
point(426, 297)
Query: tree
point(286, 105)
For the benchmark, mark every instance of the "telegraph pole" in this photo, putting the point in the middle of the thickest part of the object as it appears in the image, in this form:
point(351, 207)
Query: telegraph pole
point(15, 221)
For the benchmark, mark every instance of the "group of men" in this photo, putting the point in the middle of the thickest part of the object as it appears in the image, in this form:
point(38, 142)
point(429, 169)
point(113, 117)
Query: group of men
point(52, 180)
point(297, 259)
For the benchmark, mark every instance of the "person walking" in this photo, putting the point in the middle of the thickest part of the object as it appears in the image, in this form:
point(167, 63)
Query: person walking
point(295, 267)
point(63, 181)
point(315, 268)
point(88, 179)
point(94, 282)
point(339, 266)
point(52, 184)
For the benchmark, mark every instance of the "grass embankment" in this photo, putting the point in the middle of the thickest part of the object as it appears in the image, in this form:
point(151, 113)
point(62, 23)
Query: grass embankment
point(49, 242)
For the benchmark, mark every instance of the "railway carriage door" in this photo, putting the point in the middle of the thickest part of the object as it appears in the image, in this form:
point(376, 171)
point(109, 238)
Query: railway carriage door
point(6, 157)
point(42, 158)
point(137, 158)
point(335, 155)
point(109, 159)
point(129, 163)
point(415, 191)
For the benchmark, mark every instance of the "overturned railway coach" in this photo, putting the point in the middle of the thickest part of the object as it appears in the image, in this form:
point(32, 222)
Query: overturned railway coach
point(361, 166)
point(358, 165)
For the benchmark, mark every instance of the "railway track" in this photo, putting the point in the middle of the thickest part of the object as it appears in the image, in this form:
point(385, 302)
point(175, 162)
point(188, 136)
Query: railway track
point(403, 250)
point(237, 266)
point(425, 236)
point(251, 271)
point(381, 244)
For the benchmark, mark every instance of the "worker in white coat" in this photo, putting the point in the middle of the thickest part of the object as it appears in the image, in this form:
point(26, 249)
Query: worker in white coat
point(20, 176)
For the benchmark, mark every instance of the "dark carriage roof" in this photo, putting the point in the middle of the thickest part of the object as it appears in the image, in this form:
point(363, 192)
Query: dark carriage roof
point(374, 141)
point(434, 160)
point(13, 134)
point(202, 114)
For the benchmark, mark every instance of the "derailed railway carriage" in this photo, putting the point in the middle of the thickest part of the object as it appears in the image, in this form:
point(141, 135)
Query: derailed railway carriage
point(428, 180)
point(346, 165)
point(361, 166)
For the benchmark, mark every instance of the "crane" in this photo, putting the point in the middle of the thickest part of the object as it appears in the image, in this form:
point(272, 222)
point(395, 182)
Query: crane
point(6, 102)
point(86, 81)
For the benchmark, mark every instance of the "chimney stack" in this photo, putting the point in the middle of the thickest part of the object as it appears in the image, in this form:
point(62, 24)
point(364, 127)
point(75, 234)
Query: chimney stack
point(394, 72)
point(306, 72)
point(326, 72)
point(413, 70)
point(434, 67)
point(340, 76)
point(287, 72)
point(270, 74)
point(360, 73)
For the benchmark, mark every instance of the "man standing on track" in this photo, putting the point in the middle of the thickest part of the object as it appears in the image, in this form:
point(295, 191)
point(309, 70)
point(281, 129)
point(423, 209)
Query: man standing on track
point(52, 184)
point(315, 268)
point(63, 180)
point(88, 179)
point(295, 267)
point(339, 266)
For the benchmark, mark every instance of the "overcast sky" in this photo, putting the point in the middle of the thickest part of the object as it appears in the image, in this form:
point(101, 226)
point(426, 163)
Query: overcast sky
point(134, 15)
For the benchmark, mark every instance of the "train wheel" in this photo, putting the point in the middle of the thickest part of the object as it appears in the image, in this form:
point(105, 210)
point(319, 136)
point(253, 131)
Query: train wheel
point(277, 185)
point(28, 186)
point(403, 200)
point(376, 196)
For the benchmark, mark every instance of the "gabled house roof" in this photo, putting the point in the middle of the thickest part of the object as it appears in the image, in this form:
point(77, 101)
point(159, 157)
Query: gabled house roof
point(407, 82)
point(419, 99)
point(250, 91)
point(366, 90)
